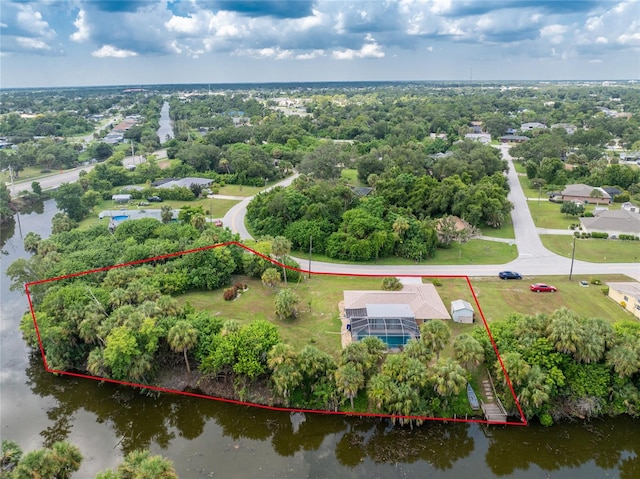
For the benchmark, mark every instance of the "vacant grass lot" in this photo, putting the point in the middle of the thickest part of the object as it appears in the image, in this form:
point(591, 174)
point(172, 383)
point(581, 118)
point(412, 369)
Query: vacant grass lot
point(28, 173)
point(505, 231)
point(499, 298)
point(318, 322)
point(594, 250)
point(474, 252)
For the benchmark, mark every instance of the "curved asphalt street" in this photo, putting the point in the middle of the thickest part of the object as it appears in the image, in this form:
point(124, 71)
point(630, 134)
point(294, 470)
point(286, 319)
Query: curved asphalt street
point(533, 258)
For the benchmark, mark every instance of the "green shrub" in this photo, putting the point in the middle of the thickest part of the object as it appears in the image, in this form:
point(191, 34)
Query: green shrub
point(436, 282)
point(605, 291)
point(595, 281)
point(546, 420)
point(597, 234)
point(587, 214)
point(628, 238)
point(391, 283)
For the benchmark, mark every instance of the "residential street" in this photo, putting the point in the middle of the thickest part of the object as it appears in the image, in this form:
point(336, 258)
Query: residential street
point(533, 258)
point(69, 176)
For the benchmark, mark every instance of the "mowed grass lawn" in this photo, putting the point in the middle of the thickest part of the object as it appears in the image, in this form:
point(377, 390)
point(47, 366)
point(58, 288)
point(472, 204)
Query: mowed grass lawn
point(499, 298)
point(594, 250)
point(318, 322)
point(473, 252)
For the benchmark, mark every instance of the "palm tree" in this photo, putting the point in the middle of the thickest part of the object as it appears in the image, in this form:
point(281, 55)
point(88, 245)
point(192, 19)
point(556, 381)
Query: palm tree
point(596, 335)
point(624, 360)
point(468, 350)
point(400, 227)
point(229, 326)
point(280, 248)
point(418, 349)
point(564, 331)
point(536, 390)
point(166, 213)
point(142, 465)
point(286, 375)
point(436, 335)
point(181, 338)
point(224, 163)
point(448, 377)
point(517, 368)
point(270, 277)
point(349, 380)
point(198, 221)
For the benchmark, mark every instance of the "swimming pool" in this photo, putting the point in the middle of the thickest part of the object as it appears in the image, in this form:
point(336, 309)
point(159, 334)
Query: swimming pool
point(120, 218)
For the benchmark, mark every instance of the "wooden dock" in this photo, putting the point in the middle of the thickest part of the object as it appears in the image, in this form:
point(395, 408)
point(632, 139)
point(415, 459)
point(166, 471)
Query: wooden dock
point(492, 408)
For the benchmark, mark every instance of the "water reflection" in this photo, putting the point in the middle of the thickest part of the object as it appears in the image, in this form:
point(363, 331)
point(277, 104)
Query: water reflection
point(605, 442)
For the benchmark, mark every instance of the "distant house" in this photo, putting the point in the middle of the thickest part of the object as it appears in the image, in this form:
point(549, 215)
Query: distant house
point(462, 311)
point(477, 126)
point(513, 139)
point(392, 316)
point(570, 129)
point(484, 138)
point(533, 125)
point(630, 207)
point(614, 222)
point(627, 293)
point(121, 198)
point(185, 182)
point(586, 194)
point(511, 131)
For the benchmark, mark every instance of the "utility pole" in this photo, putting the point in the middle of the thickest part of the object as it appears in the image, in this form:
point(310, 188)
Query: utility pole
point(310, 251)
point(573, 255)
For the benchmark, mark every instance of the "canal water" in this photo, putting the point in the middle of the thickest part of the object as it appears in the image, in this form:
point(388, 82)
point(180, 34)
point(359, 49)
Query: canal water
point(207, 438)
point(165, 132)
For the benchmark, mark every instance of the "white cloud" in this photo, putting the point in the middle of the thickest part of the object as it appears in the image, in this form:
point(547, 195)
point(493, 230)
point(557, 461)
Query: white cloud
point(32, 43)
point(370, 49)
point(107, 51)
point(310, 55)
point(31, 21)
point(82, 34)
point(262, 53)
point(553, 33)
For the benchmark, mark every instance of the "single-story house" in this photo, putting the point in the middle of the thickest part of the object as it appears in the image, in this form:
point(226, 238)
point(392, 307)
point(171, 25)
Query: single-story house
point(462, 311)
point(484, 138)
point(532, 125)
point(630, 207)
point(586, 194)
point(614, 222)
point(392, 316)
point(570, 129)
point(627, 292)
point(121, 198)
point(513, 139)
point(186, 182)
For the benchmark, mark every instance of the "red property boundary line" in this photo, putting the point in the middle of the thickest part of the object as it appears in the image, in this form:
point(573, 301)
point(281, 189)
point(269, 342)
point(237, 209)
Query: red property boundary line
point(522, 422)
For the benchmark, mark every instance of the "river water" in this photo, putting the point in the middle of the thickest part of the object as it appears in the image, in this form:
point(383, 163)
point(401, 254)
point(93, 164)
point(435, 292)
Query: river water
point(165, 132)
point(206, 438)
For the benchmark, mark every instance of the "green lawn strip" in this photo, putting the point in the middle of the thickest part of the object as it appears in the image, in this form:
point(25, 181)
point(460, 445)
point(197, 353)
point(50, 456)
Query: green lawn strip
point(219, 207)
point(318, 322)
point(594, 250)
point(475, 251)
point(546, 214)
point(519, 167)
point(28, 173)
point(500, 298)
point(505, 231)
point(351, 175)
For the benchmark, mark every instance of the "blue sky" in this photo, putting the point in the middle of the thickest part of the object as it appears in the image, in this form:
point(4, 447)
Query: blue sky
point(113, 42)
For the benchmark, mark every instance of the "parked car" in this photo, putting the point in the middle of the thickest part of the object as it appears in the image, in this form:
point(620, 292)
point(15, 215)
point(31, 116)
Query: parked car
point(509, 275)
point(154, 199)
point(543, 288)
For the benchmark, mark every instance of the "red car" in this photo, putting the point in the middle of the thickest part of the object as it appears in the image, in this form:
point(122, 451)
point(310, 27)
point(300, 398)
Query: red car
point(542, 288)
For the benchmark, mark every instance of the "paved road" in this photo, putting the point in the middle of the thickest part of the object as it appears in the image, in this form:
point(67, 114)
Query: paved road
point(69, 176)
point(234, 219)
point(533, 258)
